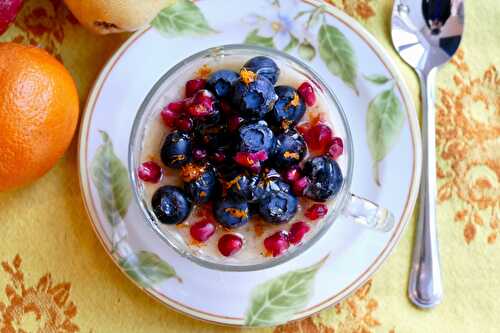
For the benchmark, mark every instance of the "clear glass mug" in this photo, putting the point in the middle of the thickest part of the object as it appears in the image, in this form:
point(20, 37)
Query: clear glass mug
point(351, 207)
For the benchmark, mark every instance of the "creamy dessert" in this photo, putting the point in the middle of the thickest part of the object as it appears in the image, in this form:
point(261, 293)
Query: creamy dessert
point(242, 162)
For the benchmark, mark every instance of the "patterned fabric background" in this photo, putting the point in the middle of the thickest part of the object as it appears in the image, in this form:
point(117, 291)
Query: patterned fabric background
point(55, 276)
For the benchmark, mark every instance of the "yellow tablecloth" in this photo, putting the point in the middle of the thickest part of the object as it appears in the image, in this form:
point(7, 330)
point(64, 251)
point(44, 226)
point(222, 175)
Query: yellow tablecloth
point(55, 277)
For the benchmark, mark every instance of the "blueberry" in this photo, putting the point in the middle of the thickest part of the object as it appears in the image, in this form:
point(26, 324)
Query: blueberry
point(170, 205)
point(227, 170)
point(278, 207)
point(242, 185)
point(217, 140)
point(271, 181)
point(289, 150)
point(289, 108)
point(211, 136)
point(254, 99)
point(221, 82)
point(200, 182)
point(176, 150)
point(325, 178)
point(231, 212)
point(265, 67)
point(256, 137)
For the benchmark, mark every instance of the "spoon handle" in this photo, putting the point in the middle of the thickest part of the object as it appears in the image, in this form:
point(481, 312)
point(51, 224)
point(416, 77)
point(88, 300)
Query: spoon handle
point(425, 288)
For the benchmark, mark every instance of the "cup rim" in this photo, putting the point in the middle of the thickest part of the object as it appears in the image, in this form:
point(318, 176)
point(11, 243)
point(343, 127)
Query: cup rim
point(342, 195)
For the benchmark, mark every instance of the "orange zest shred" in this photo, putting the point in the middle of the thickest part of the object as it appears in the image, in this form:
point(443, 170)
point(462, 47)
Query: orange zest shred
point(232, 182)
point(178, 158)
point(290, 154)
point(191, 172)
point(295, 101)
point(238, 213)
point(266, 253)
point(204, 71)
point(247, 76)
point(316, 118)
point(259, 229)
point(285, 124)
point(194, 243)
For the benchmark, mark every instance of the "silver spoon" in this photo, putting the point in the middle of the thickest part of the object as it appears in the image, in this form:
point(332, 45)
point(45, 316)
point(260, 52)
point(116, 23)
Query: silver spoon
point(426, 34)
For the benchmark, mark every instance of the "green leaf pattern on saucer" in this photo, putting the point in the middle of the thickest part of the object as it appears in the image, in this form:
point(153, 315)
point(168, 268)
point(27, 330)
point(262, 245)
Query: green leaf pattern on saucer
point(378, 79)
point(147, 269)
point(110, 177)
point(254, 38)
point(182, 18)
point(384, 121)
point(276, 300)
point(337, 53)
point(307, 50)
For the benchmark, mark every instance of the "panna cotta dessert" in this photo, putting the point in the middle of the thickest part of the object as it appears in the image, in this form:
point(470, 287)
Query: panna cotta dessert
point(241, 162)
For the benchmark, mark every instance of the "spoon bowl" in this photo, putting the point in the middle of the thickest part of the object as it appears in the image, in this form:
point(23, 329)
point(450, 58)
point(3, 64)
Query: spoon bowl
point(427, 33)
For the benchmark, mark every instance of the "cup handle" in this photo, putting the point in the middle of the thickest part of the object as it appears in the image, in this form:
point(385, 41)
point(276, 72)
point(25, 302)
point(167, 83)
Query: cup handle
point(369, 214)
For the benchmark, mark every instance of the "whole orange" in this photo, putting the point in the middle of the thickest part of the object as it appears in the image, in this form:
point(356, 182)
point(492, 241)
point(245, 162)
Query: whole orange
point(38, 113)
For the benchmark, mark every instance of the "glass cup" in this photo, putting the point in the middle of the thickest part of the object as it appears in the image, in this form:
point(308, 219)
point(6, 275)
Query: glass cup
point(352, 207)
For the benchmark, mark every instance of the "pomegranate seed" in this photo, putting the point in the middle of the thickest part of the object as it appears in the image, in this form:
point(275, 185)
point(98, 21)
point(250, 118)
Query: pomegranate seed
point(297, 232)
point(316, 211)
point(299, 186)
point(303, 128)
point(169, 117)
point(229, 244)
point(244, 159)
point(292, 174)
point(202, 230)
point(306, 91)
point(204, 97)
point(177, 107)
point(198, 110)
point(226, 107)
point(149, 172)
point(184, 124)
point(234, 123)
point(337, 148)
point(251, 160)
point(193, 86)
point(261, 155)
point(219, 157)
point(319, 138)
point(199, 154)
point(202, 104)
point(277, 243)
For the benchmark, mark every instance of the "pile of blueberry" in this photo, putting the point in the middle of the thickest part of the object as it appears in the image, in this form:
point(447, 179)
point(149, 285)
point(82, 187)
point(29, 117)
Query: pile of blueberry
point(238, 145)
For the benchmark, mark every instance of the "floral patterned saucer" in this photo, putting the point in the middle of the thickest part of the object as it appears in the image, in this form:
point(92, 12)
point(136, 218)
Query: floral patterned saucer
point(386, 145)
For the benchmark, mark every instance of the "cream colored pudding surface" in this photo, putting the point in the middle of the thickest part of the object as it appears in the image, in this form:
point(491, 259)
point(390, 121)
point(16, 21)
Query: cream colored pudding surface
point(254, 232)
